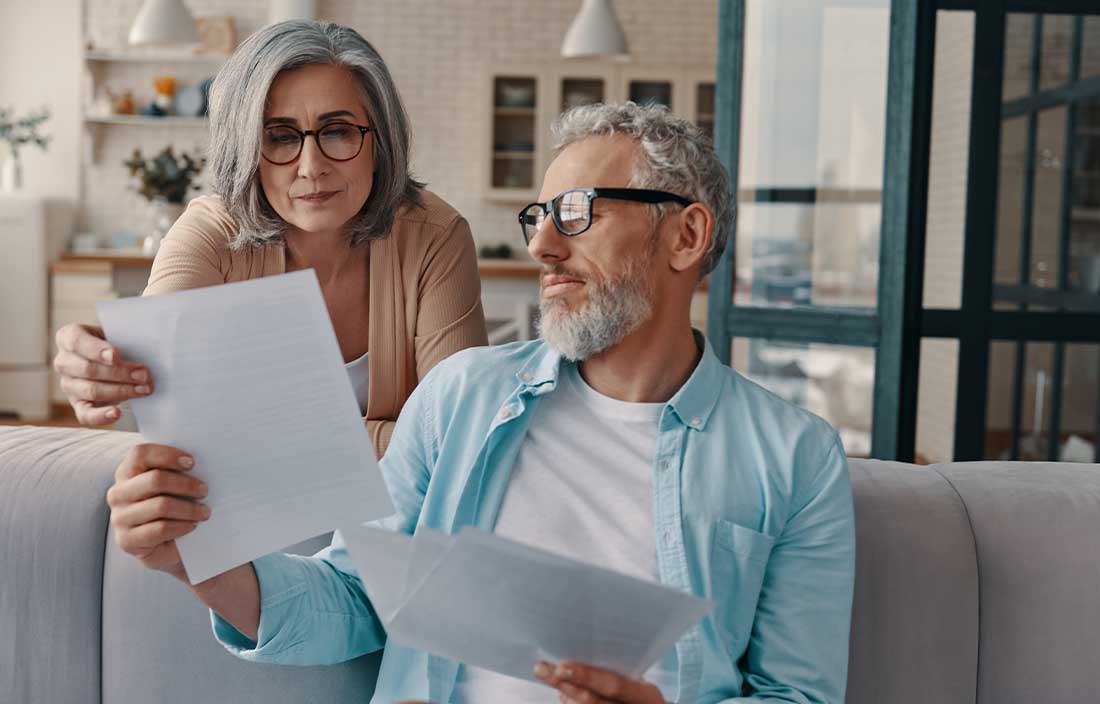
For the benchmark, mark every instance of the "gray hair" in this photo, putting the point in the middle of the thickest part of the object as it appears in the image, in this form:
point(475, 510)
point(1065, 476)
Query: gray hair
point(676, 157)
point(237, 101)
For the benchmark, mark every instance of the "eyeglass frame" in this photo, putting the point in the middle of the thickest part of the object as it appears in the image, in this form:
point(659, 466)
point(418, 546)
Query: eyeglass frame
point(302, 134)
point(637, 195)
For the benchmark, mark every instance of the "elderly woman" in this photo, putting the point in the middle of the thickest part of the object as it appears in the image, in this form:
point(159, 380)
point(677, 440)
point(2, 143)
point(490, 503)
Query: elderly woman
point(310, 160)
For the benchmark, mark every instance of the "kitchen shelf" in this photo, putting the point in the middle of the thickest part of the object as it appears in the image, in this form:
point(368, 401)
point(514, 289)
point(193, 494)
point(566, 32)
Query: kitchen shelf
point(147, 120)
point(514, 155)
point(154, 58)
point(514, 112)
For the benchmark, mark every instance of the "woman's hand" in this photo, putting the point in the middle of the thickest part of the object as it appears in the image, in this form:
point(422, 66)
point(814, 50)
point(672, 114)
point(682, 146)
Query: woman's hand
point(94, 376)
point(153, 502)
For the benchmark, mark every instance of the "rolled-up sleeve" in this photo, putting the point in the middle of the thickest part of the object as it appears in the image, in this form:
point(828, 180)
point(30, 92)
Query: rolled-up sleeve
point(314, 610)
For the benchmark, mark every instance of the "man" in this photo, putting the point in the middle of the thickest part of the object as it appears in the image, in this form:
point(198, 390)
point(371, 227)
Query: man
point(618, 439)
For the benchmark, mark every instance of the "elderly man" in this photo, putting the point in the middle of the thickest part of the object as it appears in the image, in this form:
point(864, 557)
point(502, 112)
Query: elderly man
point(618, 439)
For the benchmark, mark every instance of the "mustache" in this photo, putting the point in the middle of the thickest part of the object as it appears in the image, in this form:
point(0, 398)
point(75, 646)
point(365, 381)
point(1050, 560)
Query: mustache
point(559, 270)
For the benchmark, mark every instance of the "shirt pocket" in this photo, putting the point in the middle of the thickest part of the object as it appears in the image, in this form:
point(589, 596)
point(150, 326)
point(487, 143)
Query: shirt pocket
point(739, 559)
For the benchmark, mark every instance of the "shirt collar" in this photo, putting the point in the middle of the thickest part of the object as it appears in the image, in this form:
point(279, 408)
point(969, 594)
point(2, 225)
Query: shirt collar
point(695, 401)
point(692, 404)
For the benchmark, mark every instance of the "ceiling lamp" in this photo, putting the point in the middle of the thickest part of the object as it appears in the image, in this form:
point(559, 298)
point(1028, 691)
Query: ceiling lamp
point(595, 32)
point(163, 22)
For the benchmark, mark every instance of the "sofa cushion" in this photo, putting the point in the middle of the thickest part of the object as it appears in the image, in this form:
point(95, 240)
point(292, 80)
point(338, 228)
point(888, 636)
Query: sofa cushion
point(1037, 530)
point(915, 617)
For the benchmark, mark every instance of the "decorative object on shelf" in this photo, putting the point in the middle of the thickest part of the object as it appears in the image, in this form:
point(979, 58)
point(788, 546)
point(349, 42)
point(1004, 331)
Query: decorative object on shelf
point(165, 181)
point(163, 22)
point(124, 103)
point(165, 89)
point(500, 251)
point(16, 133)
point(595, 31)
point(191, 101)
point(516, 95)
point(217, 35)
point(282, 10)
point(84, 242)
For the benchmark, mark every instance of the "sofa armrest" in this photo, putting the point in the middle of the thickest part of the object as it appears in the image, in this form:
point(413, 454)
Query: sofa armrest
point(53, 522)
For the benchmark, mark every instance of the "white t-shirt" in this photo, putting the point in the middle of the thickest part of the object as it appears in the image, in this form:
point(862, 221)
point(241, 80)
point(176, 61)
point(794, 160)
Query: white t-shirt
point(582, 488)
point(359, 373)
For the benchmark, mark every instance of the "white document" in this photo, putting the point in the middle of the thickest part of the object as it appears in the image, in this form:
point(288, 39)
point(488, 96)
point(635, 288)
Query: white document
point(249, 379)
point(496, 604)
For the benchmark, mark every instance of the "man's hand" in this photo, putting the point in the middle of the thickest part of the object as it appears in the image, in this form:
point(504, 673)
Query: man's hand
point(584, 684)
point(153, 502)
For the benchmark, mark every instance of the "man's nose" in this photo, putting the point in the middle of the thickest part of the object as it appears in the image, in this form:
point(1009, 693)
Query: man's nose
point(548, 244)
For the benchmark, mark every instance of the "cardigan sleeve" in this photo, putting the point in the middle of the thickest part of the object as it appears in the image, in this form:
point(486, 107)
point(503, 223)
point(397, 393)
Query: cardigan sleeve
point(449, 314)
point(449, 317)
point(194, 253)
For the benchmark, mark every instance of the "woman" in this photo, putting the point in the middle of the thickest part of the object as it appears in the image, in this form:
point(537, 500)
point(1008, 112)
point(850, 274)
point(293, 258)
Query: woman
point(310, 158)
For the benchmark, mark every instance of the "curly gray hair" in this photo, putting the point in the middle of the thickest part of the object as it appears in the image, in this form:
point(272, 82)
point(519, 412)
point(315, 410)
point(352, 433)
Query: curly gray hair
point(676, 156)
point(237, 100)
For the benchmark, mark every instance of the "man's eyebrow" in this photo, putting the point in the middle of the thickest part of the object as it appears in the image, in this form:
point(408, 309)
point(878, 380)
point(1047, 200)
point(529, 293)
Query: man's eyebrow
point(320, 118)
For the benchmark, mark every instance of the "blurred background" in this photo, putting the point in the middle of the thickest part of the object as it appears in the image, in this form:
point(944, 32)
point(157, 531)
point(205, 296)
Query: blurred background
point(917, 255)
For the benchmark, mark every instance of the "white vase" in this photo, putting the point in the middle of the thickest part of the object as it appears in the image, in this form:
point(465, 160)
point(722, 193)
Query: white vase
point(162, 215)
point(11, 175)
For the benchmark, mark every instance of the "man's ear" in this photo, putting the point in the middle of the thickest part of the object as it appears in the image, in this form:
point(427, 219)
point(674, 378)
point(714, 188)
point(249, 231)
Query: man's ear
point(693, 233)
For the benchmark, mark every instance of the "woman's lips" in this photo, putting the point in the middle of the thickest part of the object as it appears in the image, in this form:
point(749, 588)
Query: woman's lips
point(317, 198)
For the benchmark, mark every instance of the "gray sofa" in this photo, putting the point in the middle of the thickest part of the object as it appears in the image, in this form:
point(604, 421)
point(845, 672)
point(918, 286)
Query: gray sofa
point(975, 583)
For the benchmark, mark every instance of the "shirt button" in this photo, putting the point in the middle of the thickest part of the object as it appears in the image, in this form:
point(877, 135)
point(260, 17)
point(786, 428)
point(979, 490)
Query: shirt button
point(507, 412)
point(696, 422)
point(667, 538)
point(526, 378)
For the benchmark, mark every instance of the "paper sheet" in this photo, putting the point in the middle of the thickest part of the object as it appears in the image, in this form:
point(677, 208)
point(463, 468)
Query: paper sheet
point(499, 605)
point(250, 381)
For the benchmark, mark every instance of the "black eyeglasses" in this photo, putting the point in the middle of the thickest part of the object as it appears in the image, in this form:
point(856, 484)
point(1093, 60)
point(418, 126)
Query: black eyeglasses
point(572, 210)
point(339, 141)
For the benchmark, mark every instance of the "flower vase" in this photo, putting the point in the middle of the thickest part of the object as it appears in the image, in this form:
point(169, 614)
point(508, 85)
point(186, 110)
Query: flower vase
point(162, 215)
point(11, 175)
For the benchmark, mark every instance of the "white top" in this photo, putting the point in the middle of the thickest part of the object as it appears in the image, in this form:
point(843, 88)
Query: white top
point(359, 374)
point(582, 488)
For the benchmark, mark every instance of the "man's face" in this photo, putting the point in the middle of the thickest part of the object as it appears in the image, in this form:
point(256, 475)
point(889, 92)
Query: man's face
point(596, 287)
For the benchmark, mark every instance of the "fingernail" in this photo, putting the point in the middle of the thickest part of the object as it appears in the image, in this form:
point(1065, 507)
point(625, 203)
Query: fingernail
point(542, 669)
point(203, 489)
point(139, 375)
point(112, 413)
point(143, 389)
point(187, 462)
point(205, 511)
point(107, 356)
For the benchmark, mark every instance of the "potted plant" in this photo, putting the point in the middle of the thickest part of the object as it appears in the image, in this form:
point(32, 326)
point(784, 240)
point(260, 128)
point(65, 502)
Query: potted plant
point(165, 181)
point(14, 134)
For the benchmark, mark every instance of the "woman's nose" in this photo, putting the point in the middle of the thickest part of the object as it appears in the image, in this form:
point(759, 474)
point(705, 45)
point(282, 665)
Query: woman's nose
point(312, 162)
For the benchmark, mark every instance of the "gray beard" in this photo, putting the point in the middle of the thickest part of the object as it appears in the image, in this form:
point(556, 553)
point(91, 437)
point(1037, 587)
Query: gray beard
point(615, 308)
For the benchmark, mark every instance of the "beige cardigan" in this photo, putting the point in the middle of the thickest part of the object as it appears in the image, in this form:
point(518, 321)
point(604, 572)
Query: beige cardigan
point(425, 292)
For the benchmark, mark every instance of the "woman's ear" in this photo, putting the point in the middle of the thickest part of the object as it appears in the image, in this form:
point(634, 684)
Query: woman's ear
point(694, 232)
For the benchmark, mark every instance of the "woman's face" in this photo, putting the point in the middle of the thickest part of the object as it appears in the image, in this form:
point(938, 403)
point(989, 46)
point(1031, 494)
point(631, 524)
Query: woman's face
point(315, 193)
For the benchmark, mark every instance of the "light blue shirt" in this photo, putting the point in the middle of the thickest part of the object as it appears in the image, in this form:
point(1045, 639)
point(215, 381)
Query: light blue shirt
point(752, 509)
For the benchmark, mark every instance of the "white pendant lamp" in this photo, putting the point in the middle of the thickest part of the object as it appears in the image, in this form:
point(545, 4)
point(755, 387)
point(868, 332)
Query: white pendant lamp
point(595, 32)
point(163, 22)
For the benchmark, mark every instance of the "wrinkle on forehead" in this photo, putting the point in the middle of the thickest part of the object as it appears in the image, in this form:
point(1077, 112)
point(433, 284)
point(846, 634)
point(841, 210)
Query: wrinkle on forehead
point(605, 161)
point(326, 87)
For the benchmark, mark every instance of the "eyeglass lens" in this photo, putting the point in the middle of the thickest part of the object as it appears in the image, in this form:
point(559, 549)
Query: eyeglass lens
point(572, 211)
point(340, 142)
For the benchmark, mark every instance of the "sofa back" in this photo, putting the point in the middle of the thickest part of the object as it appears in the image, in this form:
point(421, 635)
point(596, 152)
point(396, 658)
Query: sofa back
point(974, 583)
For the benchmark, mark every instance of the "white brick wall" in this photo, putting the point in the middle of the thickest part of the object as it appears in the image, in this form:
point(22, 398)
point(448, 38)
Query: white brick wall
point(440, 54)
